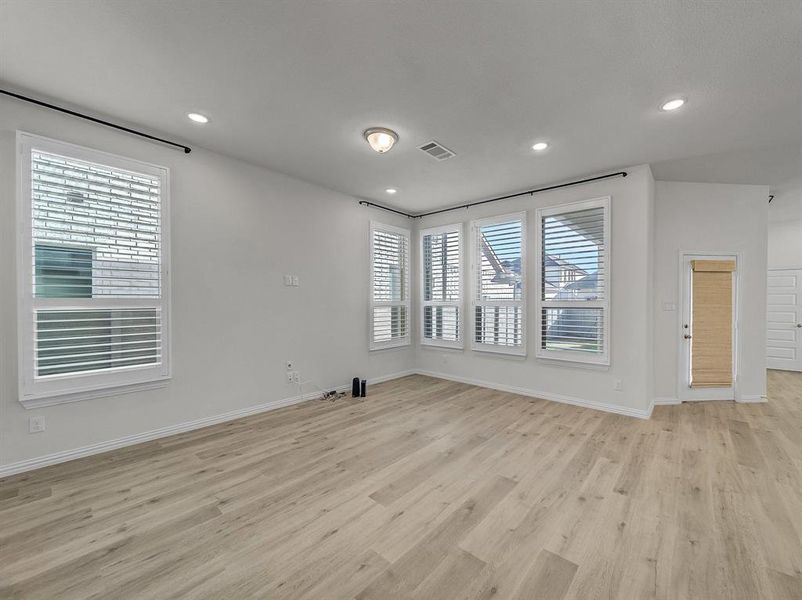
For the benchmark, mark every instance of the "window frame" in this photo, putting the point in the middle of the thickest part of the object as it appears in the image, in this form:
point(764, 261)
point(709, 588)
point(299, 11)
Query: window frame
point(603, 358)
point(35, 391)
point(475, 254)
point(405, 340)
point(459, 303)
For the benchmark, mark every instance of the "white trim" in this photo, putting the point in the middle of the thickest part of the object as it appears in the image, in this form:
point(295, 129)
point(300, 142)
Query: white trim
point(459, 344)
point(752, 399)
point(72, 387)
point(667, 401)
point(474, 285)
point(640, 413)
point(108, 392)
point(603, 358)
point(684, 392)
point(406, 340)
point(138, 438)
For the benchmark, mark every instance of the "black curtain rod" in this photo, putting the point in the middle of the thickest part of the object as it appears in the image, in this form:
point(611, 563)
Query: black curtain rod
point(388, 209)
point(73, 113)
point(515, 195)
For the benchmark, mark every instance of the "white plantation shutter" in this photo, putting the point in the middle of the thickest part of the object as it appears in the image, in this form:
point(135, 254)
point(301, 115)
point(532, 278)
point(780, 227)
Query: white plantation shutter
point(94, 314)
point(574, 282)
point(389, 286)
point(441, 306)
point(499, 305)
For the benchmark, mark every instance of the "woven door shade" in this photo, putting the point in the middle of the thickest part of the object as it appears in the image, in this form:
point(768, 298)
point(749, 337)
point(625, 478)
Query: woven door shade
point(711, 359)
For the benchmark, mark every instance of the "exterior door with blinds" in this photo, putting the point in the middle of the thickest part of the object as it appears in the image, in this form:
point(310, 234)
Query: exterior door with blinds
point(499, 284)
point(441, 286)
point(93, 271)
point(389, 286)
point(784, 344)
point(708, 333)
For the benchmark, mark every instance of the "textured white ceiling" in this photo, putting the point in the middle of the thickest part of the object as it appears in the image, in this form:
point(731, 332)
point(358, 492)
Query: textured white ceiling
point(291, 85)
point(777, 166)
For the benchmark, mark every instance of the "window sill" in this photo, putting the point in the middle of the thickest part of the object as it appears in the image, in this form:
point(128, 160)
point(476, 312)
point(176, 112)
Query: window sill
point(499, 351)
point(574, 361)
point(32, 403)
point(443, 345)
point(390, 345)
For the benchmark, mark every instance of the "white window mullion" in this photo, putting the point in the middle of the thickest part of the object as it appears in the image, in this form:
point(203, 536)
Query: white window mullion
point(498, 272)
point(573, 294)
point(389, 286)
point(441, 315)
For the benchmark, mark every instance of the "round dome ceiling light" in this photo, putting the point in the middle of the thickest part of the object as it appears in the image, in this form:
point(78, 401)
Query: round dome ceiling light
point(391, 190)
point(540, 146)
point(673, 104)
point(381, 139)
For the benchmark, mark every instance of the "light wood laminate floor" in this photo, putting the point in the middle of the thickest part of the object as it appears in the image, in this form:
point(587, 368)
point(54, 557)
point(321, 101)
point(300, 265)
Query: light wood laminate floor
point(426, 489)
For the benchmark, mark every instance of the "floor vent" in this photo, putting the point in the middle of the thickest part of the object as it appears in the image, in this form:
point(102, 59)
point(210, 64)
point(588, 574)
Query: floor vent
point(437, 150)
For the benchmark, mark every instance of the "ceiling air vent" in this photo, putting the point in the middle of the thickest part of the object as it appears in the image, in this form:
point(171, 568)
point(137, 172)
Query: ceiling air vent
point(437, 150)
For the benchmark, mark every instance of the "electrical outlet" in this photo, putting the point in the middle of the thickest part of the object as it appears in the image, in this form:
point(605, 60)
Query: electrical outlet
point(289, 365)
point(618, 385)
point(36, 424)
point(289, 377)
point(295, 281)
point(288, 280)
point(296, 377)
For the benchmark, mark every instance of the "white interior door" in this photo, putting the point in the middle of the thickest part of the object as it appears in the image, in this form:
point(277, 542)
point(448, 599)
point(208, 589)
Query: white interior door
point(784, 345)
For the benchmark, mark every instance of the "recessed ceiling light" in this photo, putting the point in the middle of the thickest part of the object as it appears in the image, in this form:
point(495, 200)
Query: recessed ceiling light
point(540, 146)
point(391, 190)
point(673, 104)
point(381, 139)
point(198, 118)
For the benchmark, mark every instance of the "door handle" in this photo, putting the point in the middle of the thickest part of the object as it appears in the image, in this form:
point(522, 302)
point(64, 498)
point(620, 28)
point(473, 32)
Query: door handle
point(686, 336)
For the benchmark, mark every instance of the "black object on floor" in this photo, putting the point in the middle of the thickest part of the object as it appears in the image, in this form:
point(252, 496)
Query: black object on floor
point(355, 387)
point(364, 388)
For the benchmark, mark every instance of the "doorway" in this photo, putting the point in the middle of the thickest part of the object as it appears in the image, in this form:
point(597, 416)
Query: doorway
point(709, 326)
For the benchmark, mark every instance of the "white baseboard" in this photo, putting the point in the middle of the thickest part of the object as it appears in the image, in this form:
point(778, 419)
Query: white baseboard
point(640, 413)
point(666, 401)
point(742, 400)
point(752, 399)
point(154, 434)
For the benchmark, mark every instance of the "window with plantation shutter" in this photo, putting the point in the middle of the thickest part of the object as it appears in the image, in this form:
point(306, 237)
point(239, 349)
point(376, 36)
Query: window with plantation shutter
point(574, 282)
point(389, 286)
point(94, 279)
point(441, 305)
point(499, 303)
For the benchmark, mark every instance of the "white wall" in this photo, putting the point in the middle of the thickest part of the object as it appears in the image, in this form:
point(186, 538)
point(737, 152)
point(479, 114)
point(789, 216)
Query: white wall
point(785, 230)
point(631, 347)
point(236, 229)
point(704, 217)
point(785, 245)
